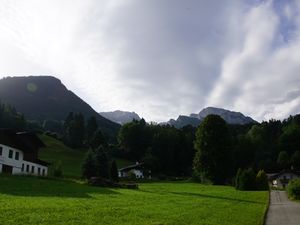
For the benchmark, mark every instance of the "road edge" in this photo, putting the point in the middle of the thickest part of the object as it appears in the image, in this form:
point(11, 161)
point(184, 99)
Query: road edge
point(266, 209)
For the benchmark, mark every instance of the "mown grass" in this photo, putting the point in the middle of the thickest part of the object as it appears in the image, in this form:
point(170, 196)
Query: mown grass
point(71, 159)
point(30, 200)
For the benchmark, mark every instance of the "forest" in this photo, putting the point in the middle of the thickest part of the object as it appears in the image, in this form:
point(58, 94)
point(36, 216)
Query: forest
point(213, 149)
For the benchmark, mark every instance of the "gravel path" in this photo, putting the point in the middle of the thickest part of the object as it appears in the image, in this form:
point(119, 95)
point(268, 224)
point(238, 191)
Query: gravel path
point(282, 211)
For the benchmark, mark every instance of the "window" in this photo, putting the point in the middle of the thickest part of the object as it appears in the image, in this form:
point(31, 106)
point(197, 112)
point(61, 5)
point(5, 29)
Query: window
point(22, 167)
point(32, 169)
point(39, 171)
point(43, 172)
point(17, 156)
point(1, 150)
point(27, 168)
point(10, 153)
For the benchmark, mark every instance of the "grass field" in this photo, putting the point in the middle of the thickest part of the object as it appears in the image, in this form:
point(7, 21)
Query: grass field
point(71, 159)
point(29, 200)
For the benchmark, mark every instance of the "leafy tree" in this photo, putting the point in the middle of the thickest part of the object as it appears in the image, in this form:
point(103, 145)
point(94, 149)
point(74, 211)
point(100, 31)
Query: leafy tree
point(151, 162)
point(295, 160)
point(283, 160)
point(135, 138)
point(262, 181)
point(114, 175)
point(289, 141)
point(246, 180)
point(213, 155)
point(89, 168)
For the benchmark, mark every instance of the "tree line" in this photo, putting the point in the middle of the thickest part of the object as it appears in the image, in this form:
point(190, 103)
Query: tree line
point(215, 150)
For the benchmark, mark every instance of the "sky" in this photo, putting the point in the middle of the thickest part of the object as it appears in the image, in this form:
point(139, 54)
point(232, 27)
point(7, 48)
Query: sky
point(160, 58)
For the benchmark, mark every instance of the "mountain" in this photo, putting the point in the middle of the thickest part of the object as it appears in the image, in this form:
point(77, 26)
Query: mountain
point(230, 117)
point(46, 98)
point(120, 117)
point(182, 121)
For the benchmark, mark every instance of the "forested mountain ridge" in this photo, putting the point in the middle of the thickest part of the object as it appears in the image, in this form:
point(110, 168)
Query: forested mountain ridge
point(43, 98)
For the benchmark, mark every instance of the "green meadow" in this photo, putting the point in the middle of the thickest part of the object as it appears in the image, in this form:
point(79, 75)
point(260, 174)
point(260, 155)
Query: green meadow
point(70, 159)
point(31, 200)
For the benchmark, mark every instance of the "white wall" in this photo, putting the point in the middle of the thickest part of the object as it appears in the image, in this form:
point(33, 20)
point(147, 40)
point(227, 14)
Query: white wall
point(20, 166)
point(11, 161)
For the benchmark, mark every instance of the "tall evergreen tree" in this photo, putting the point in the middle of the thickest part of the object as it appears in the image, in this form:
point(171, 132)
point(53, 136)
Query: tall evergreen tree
point(89, 167)
point(97, 140)
point(102, 162)
point(91, 127)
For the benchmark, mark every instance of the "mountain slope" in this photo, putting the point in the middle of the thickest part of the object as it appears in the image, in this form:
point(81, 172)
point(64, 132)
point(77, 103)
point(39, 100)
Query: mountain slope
point(45, 97)
point(120, 117)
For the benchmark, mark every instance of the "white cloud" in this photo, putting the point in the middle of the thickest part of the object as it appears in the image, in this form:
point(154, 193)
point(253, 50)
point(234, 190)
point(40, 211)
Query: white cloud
point(159, 58)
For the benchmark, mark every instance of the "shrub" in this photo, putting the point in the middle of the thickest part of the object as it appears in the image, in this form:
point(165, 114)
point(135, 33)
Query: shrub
point(246, 180)
point(294, 189)
point(262, 181)
point(57, 171)
point(237, 178)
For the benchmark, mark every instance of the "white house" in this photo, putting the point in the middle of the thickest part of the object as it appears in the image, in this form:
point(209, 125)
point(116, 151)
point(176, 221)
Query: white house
point(135, 169)
point(281, 179)
point(19, 154)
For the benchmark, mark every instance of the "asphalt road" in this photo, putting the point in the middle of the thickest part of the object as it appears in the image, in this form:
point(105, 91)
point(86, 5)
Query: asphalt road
point(282, 211)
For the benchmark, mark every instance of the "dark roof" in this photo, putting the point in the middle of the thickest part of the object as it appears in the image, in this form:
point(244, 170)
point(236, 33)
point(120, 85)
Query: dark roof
point(24, 141)
point(275, 175)
point(43, 163)
point(135, 166)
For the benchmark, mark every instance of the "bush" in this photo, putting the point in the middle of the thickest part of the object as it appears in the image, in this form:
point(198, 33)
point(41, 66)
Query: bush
point(262, 181)
point(246, 180)
point(57, 172)
point(294, 189)
point(237, 179)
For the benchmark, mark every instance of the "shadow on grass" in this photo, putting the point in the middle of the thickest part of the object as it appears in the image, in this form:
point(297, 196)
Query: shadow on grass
point(41, 187)
point(216, 197)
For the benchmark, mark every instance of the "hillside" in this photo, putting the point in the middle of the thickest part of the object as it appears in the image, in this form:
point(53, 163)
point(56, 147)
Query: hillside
point(44, 97)
point(120, 117)
point(70, 159)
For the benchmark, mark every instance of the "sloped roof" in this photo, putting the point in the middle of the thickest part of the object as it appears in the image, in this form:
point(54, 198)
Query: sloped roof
point(275, 175)
point(24, 141)
point(134, 166)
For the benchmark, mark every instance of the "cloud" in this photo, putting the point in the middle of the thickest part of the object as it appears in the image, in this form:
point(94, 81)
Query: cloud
point(261, 79)
point(160, 58)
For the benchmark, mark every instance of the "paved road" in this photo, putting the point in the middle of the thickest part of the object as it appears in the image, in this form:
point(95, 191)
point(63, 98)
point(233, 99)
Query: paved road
point(282, 211)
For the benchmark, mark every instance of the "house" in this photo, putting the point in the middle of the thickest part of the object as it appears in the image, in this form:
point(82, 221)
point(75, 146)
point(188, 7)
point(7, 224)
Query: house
point(281, 179)
point(19, 154)
point(136, 170)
